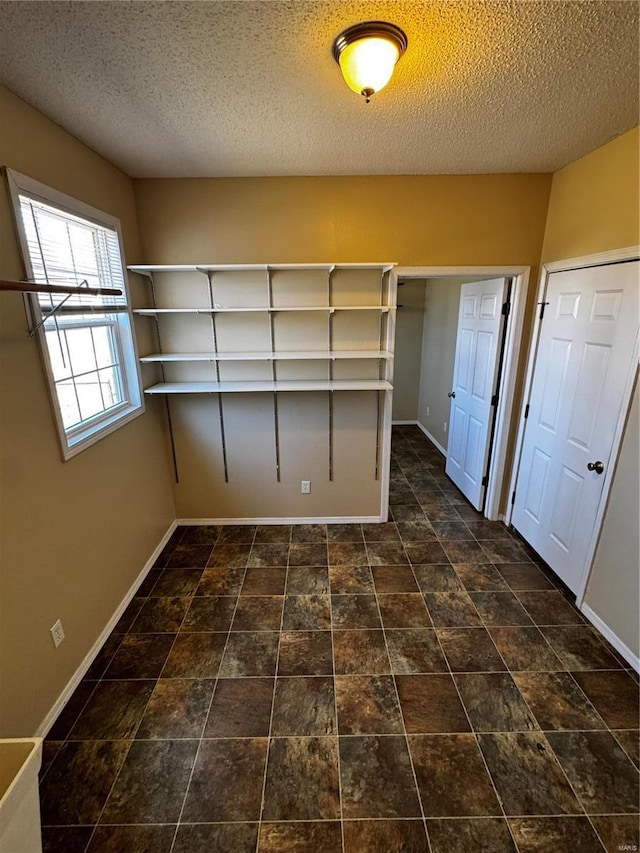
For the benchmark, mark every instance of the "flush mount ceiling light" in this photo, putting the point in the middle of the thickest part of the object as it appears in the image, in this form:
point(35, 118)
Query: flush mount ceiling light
point(367, 54)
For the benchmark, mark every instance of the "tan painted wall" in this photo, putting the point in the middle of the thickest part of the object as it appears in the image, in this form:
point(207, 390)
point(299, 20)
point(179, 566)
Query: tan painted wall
point(75, 535)
point(408, 354)
point(594, 207)
point(418, 220)
point(442, 299)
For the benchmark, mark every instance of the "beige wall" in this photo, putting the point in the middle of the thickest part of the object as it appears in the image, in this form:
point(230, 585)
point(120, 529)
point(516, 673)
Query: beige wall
point(416, 220)
point(420, 220)
point(594, 207)
point(442, 299)
point(75, 535)
point(408, 354)
point(594, 202)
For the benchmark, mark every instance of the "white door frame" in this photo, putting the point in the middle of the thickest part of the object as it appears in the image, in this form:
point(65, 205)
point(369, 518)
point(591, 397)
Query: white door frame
point(628, 253)
point(504, 413)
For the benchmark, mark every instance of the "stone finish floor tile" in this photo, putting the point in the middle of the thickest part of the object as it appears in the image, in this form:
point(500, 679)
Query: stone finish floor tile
point(525, 649)
point(305, 653)
point(151, 785)
point(494, 703)
point(557, 702)
point(360, 652)
point(467, 834)
point(241, 707)
point(133, 839)
point(302, 779)
point(76, 787)
point(579, 648)
point(403, 610)
point(304, 706)
point(615, 696)
point(376, 778)
point(618, 832)
point(470, 650)
point(215, 838)
point(526, 775)
point(226, 784)
point(301, 837)
point(367, 704)
point(390, 836)
point(452, 778)
point(430, 703)
point(357, 712)
point(600, 772)
point(542, 834)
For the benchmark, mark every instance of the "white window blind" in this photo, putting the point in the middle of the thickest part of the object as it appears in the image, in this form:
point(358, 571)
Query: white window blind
point(86, 339)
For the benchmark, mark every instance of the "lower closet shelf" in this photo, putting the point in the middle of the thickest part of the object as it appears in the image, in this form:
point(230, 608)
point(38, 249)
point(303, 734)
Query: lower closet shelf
point(269, 385)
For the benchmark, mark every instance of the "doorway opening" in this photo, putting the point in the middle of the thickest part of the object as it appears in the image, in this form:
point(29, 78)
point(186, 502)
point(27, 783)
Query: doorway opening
point(425, 400)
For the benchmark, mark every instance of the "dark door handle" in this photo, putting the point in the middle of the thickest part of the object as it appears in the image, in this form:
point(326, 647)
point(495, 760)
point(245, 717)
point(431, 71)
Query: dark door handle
point(598, 467)
point(451, 394)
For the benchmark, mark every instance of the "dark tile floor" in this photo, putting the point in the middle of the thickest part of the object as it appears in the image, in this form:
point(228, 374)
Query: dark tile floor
point(421, 685)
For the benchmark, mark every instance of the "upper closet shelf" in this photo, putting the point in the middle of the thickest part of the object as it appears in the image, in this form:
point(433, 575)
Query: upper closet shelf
point(297, 355)
point(277, 385)
point(148, 269)
point(151, 312)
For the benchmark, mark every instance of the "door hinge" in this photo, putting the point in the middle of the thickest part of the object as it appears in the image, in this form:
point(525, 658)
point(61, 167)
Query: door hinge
point(526, 411)
point(542, 307)
point(494, 400)
point(485, 480)
point(513, 497)
point(506, 308)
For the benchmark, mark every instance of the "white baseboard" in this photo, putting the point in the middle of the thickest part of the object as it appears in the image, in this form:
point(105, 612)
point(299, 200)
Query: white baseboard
point(404, 423)
point(615, 641)
point(423, 428)
point(338, 519)
point(78, 675)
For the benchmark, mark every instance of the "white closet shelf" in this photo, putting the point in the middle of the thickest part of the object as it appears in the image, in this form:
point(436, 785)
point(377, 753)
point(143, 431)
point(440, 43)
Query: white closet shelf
point(152, 312)
point(321, 355)
point(147, 269)
point(277, 385)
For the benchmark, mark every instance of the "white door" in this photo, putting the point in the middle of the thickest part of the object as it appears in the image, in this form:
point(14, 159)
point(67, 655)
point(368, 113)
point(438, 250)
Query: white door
point(475, 370)
point(586, 344)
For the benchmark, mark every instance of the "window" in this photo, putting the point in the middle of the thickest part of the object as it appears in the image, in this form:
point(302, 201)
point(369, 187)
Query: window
point(86, 340)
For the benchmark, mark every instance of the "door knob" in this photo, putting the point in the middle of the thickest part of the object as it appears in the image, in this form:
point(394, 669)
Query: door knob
point(598, 467)
point(451, 394)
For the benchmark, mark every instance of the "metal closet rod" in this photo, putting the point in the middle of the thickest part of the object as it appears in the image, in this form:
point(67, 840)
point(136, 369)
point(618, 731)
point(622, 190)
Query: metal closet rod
point(34, 287)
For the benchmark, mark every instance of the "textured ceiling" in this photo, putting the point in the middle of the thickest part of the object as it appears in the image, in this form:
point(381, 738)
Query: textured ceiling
point(174, 89)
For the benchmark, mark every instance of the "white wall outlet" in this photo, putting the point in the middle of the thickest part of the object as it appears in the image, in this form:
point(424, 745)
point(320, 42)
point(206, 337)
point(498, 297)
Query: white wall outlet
point(57, 633)
point(445, 426)
point(428, 411)
point(305, 487)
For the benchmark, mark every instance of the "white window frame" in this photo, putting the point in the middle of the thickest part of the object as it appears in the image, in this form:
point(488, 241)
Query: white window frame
point(75, 439)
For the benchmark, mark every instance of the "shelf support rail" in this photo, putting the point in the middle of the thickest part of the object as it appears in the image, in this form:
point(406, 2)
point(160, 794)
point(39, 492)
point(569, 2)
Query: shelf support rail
point(329, 351)
point(214, 338)
point(172, 441)
point(276, 423)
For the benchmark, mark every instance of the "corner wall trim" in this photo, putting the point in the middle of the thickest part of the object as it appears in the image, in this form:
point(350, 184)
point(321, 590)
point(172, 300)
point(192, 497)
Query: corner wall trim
point(608, 634)
point(431, 438)
point(338, 519)
point(78, 675)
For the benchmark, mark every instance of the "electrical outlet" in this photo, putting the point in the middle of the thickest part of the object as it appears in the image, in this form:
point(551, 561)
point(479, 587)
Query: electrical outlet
point(57, 633)
point(428, 411)
point(305, 487)
point(445, 426)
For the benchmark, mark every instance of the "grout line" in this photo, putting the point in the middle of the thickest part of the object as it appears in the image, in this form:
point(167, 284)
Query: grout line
point(401, 715)
point(273, 700)
point(335, 703)
point(206, 719)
